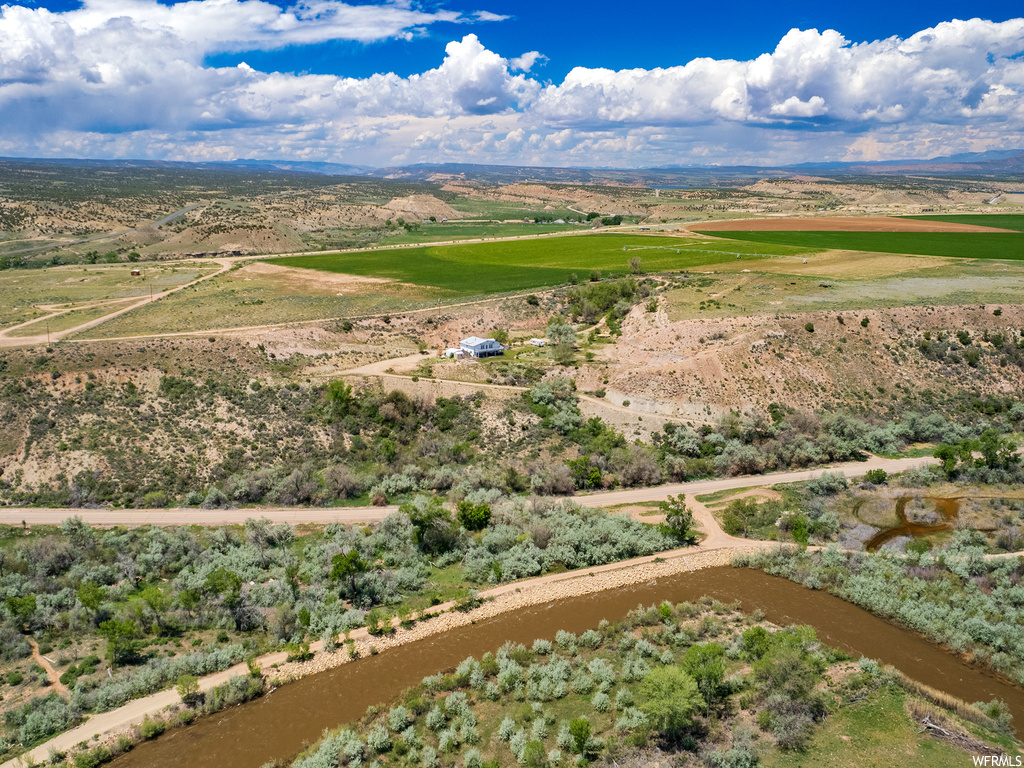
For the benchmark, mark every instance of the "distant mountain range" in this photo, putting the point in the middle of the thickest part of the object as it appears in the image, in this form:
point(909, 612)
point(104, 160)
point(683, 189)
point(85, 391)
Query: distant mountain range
point(1006, 163)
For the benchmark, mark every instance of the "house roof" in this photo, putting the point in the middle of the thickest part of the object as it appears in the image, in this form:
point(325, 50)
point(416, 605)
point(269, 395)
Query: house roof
point(474, 341)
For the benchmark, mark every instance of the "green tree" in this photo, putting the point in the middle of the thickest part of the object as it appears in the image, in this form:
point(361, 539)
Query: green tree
point(636, 264)
point(189, 600)
point(158, 602)
point(348, 565)
point(560, 332)
point(952, 455)
point(706, 665)
point(123, 642)
point(996, 451)
point(876, 476)
point(801, 532)
point(435, 533)
point(679, 519)
point(338, 401)
point(22, 608)
point(670, 699)
point(474, 517)
point(90, 595)
point(188, 689)
point(563, 353)
point(223, 582)
point(579, 729)
point(756, 643)
point(788, 668)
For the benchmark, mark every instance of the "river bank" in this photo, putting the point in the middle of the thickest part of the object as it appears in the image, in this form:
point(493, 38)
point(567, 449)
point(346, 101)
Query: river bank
point(106, 727)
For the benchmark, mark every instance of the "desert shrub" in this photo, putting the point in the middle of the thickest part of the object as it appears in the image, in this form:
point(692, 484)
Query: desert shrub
point(829, 484)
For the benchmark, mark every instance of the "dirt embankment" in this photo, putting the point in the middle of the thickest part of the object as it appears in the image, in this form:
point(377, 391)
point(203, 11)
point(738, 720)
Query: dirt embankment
point(422, 207)
point(696, 370)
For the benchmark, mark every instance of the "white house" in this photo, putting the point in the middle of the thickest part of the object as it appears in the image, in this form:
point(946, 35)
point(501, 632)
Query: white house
point(474, 346)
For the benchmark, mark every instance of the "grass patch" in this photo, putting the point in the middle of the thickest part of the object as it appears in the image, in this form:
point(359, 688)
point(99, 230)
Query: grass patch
point(727, 493)
point(873, 733)
point(974, 245)
point(918, 451)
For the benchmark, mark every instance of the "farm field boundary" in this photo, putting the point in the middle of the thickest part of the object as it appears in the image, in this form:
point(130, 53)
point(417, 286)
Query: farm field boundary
point(1012, 221)
point(980, 245)
point(965, 224)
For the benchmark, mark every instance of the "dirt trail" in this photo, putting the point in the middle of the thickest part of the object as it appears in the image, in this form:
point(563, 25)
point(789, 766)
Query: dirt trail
point(51, 673)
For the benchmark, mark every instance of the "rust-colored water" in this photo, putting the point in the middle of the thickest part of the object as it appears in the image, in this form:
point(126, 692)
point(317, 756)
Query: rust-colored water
point(948, 509)
point(280, 724)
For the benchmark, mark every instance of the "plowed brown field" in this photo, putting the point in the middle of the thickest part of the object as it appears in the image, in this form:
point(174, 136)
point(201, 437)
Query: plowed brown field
point(837, 224)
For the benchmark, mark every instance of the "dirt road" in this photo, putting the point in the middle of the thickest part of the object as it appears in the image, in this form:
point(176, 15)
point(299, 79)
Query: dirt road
point(107, 518)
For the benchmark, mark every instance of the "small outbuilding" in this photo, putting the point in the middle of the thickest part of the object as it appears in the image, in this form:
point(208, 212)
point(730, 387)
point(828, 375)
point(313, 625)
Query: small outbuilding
point(474, 346)
point(537, 342)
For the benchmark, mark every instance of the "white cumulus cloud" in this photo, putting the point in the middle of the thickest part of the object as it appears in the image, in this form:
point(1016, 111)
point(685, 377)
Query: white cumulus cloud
point(130, 77)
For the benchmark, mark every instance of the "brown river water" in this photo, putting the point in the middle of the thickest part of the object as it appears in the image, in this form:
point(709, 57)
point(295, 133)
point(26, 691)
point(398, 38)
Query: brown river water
point(946, 509)
point(280, 724)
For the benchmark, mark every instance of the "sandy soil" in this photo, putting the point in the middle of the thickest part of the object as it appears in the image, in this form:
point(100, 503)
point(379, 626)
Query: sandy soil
point(838, 224)
point(313, 278)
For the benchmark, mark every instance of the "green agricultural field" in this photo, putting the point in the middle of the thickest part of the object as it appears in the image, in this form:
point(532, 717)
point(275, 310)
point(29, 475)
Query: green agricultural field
point(973, 245)
point(1001, 220)
point(454, 230)
point(482, 268)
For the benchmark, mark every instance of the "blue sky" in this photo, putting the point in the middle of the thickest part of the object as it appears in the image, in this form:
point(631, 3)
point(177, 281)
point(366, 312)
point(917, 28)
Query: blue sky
point(656, 34)
point(636, 84)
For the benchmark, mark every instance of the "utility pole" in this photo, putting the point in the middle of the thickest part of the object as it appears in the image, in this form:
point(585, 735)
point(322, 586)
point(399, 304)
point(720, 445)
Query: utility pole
point(47, 333)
